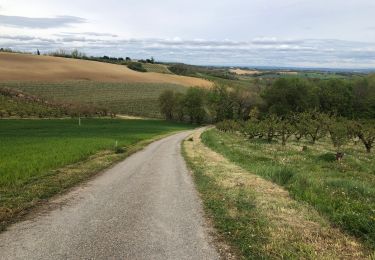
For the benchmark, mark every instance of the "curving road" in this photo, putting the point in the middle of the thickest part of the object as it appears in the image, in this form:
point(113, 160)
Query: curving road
point(146, 207)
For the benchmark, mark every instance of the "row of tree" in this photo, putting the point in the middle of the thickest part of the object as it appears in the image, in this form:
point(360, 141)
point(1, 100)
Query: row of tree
point(311, 125)
point(352, 99)
point(207, 106)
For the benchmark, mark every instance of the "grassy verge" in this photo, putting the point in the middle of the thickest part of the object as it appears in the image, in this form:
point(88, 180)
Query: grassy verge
point(40, 158)
point(258, 218)
point(343, 192)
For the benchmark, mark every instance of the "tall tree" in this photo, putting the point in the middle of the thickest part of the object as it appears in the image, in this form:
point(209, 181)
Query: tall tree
point(167, 104)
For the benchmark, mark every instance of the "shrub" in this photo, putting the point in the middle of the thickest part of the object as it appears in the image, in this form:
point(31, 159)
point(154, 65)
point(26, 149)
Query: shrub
point(137, 66)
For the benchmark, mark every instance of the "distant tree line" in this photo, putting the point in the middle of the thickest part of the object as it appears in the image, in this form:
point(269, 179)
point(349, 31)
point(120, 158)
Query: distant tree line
point(311, 109)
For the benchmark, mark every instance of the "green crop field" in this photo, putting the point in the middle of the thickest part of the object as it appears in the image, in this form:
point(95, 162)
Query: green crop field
point(31, 151)
point(138, 99)
point(343, 191)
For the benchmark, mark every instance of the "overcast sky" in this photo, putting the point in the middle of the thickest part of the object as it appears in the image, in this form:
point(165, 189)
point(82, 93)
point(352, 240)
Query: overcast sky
point(293, 33)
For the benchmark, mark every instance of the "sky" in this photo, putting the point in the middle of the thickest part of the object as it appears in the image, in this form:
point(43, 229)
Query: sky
point(283, 33)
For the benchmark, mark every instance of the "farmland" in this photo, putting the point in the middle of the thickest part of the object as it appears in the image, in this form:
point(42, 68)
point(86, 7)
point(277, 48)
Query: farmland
point(34, 153)
point(138, 99)
point(158, 68)
point(23, 67)
point(343, 192)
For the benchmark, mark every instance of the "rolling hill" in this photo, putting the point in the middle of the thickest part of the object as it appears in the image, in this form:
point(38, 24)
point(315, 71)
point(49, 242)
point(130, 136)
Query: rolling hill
point(24, 67)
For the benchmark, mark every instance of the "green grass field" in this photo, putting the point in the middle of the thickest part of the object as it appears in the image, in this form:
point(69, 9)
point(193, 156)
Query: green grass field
point(139, 99)
point(32, 152)
point(343, 192)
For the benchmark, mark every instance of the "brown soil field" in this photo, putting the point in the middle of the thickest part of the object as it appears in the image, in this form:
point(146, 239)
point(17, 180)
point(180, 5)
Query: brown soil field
point(253, 72)
point(25, 67)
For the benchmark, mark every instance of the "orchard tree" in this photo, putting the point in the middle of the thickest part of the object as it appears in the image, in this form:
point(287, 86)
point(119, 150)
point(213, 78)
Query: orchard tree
point(285, 129)
point(251, 129)
point(365, 131)
point(269, 127)
point(339, 133)
point(314, 124)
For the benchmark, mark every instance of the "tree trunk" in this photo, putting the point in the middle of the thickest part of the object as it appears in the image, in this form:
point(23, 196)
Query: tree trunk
point(339, 156)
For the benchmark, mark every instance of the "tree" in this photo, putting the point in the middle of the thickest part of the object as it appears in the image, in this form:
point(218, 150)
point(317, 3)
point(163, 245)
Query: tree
point(315, 124)
point(288, 95)
point(194, 105)
point(285, 129)
point(339, 133)
point(167, 104)
point(179, 109)
point(336, 97)
point(269, 126)
point(221, 103)
point(365, 131)
point(251, 129)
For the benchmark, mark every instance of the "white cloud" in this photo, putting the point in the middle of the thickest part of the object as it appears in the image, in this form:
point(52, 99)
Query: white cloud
point(244, 32)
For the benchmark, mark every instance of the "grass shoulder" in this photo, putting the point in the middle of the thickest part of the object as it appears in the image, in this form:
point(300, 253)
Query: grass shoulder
point(259, 218)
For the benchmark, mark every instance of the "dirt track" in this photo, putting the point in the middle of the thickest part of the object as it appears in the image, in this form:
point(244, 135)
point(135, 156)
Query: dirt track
point(22, 67)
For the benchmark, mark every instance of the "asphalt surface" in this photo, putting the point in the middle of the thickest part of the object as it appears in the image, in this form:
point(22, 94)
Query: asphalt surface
point(146, 207)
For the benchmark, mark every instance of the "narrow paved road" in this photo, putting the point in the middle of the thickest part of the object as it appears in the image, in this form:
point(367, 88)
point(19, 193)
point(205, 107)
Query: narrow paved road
point(143, 208)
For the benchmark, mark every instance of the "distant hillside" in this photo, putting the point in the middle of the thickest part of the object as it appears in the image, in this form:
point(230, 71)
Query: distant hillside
point(24, 67)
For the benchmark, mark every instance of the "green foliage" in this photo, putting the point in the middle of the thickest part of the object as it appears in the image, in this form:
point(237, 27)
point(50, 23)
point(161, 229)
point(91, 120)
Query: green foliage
point(353, 98)
point(167, 103)
point(228, 126)
point(289, 95)
point(251, 129)
point(194, 105)
point(336, 97)
point(200, 71)
point(339, 133)
point(314, 124)
point(285, 129)
point(269, 127)
point(365, 131)
point(137, 66)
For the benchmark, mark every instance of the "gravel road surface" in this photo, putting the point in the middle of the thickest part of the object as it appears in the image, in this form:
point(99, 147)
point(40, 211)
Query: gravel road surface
point(145, 207)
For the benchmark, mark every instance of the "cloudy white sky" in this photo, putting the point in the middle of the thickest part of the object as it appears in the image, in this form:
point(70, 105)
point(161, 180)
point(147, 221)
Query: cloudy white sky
point(292, 33)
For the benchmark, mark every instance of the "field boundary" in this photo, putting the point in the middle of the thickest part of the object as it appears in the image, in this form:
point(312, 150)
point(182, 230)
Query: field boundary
point(259, 218)
point(63, 180)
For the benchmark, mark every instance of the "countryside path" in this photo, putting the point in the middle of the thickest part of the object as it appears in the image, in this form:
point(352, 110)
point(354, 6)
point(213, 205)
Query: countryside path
point(146, 207)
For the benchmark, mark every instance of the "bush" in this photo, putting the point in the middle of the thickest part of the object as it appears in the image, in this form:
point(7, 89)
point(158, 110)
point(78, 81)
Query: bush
point(137, 66)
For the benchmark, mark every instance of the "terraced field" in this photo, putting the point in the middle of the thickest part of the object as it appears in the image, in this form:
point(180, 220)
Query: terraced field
point(138, 99)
